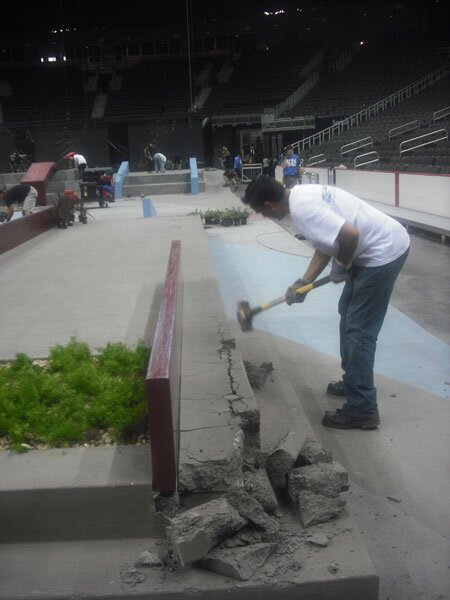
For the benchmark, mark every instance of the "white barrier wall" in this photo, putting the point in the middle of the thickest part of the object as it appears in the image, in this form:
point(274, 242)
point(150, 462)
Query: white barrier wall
point(321, 172)
point(378, 186)
point(425, 193)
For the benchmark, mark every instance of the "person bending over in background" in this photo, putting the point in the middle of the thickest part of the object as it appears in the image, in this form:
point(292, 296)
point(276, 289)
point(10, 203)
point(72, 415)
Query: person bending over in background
point(160, 162)
point(79, 162)
point(368, 250)
point(20, 194)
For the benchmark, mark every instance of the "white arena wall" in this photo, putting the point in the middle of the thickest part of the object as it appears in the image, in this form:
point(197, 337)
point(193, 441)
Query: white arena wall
point(429, 194)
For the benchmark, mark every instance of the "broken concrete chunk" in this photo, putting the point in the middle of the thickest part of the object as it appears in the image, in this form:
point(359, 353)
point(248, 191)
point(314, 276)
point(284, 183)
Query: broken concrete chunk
point(283, 458)
point(333, 567)
point(316, 508)
point(239, 563)
point(257, 376)
point(257, 484)
point(318, 539)
point(328, 479)
point(193, 533)
point(216, 469)
point(148, 559)
point(313, 452)
point(251, 510)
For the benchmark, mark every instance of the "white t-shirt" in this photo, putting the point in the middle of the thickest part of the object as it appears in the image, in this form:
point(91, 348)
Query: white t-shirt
point(161, 156)
point(79, 159)
point(319, 211)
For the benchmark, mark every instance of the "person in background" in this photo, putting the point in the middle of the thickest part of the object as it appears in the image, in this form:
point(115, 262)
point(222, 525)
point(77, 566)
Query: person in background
point(17, 162)
point(266, 166)
point(291, 168)
point(79, 162)
point(20, 194)
point(160, 162)
point(238, 166)
point(227, 164)
point(148, 153)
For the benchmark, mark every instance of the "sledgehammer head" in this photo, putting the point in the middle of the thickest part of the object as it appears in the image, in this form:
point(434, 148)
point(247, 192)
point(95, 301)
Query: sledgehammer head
point(244, 315)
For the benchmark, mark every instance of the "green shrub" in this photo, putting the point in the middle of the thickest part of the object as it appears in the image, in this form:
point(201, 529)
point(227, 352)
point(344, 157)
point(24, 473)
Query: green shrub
point(74, 396)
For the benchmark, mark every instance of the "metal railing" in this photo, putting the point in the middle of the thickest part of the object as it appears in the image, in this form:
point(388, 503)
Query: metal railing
point(322, 158)
point(443, 133)
point(296, 96)
point(395, 131)
point(251, 172)
point(441, 113)
point(356, 145)
point(365, 157)
point(371, 111)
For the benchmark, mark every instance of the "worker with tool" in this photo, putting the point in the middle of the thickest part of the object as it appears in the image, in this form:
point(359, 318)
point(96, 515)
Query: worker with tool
point(368, 250)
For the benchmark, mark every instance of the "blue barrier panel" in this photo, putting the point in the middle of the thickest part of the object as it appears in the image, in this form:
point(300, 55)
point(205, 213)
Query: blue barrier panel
point(194, 175)
point(147, 207)
point(123, 171)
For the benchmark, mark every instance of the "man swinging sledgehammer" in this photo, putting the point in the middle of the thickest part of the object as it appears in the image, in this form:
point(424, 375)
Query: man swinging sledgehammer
point(368, 250)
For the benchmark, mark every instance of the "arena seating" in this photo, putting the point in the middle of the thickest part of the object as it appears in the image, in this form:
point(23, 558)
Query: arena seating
point(154, 89)
point(428, 159)
point(377, 71)
point(49, 93)
point(259, 81)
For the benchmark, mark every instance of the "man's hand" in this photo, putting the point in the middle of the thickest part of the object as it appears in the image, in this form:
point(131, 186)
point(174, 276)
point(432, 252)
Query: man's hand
point(292, 297)
point(339, 271)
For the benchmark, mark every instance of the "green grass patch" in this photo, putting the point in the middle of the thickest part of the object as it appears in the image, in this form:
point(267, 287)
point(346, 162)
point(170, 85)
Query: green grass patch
point(75, 396)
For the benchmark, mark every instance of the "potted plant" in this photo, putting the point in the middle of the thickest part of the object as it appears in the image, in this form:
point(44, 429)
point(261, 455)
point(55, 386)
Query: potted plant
point(245, 213)
point(227, 218)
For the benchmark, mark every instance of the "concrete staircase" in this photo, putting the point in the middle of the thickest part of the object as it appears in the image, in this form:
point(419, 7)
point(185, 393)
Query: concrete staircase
point(153, 184)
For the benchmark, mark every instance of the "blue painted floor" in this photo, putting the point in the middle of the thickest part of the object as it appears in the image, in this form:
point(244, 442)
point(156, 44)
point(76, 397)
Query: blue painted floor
point(406, 352)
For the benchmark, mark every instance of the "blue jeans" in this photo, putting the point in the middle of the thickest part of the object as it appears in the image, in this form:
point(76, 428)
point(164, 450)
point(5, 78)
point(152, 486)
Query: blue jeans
point(362, 306)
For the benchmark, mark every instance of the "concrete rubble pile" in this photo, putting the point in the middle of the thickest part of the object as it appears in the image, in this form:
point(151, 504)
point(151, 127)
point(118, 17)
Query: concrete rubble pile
point(235, 534)
point(313, 480)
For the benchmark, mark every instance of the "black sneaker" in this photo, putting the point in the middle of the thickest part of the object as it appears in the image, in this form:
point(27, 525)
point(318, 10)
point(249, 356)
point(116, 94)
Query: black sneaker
point(336, 388)
point(341, 419)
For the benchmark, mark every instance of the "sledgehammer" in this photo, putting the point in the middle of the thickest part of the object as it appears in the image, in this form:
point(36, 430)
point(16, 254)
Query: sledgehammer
point(245, 313)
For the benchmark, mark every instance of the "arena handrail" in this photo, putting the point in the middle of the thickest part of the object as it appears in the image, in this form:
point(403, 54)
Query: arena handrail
point(317, 162)
point(441, 113)
point(368, 141)
point(395, 131)
point(374, 154)
point(367, 113)
point(421, 137)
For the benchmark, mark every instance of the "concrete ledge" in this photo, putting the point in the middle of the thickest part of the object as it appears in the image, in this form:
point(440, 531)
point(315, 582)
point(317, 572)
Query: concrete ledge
point(77, 493)
point(18, 231)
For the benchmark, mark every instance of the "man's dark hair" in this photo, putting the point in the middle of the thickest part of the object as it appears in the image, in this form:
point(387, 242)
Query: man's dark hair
point(289, 147)
point(263, 189)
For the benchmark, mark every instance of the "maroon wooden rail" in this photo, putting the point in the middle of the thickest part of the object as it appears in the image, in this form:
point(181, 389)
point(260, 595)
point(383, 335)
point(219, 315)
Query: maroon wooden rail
point(37, 175)
point(163, 380)
point(18, 231)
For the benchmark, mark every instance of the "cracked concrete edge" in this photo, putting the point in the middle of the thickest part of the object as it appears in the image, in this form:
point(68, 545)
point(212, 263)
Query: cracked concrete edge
point(220, 470)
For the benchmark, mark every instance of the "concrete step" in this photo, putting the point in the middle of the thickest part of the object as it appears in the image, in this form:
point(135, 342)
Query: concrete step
point(101, 569)
point(9, 179)
point(153, 189)
point(168, 176)
point(56, 187)
point(65, 174)
point(80, 493)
